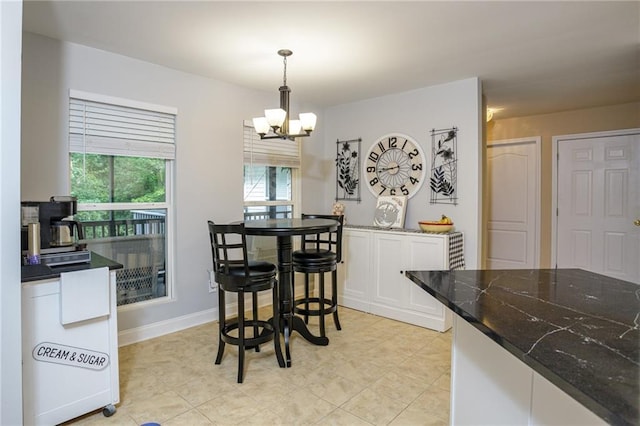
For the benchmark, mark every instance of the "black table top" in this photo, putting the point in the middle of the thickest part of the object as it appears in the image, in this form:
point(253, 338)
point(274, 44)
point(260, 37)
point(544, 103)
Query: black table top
point(286, 227)
point(44, 272)
point(578, 329)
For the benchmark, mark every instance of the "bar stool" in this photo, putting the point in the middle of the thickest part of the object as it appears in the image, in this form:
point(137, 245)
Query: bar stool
point(235, 273)
point(318, 254)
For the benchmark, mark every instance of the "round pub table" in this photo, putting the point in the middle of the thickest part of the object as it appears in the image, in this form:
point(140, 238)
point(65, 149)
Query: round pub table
point(284, 230)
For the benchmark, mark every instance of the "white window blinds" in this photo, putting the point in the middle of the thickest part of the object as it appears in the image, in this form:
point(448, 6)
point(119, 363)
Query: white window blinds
point(269, 152)
point(101, 127)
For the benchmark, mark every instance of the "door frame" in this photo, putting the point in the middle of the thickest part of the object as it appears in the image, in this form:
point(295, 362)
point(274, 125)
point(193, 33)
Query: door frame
point(537, 140)
point(554, 182)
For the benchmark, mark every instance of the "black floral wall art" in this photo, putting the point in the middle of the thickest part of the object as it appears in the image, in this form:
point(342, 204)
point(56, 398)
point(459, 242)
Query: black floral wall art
point(348, 170)
point(444, 166)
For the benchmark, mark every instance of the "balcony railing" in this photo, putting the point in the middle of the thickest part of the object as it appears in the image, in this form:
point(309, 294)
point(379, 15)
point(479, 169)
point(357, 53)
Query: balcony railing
point(123, 228)
point(280, 214)
point(139, 245)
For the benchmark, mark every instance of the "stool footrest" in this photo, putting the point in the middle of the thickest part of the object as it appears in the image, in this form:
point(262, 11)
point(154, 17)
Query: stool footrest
point(329, 306)
point(266, 333)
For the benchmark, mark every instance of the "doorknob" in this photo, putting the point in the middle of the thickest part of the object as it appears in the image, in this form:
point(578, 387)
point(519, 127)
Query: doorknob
point(636, 222)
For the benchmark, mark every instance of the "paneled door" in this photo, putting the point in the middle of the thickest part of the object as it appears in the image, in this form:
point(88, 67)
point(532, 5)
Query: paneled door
point(598, 203)
point(513, 174)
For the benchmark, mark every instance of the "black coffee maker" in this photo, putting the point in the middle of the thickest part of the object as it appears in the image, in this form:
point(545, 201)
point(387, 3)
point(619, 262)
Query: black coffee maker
point(56, 223)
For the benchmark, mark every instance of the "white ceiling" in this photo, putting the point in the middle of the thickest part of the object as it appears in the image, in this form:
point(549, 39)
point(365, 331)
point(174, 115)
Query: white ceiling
point(533, 57)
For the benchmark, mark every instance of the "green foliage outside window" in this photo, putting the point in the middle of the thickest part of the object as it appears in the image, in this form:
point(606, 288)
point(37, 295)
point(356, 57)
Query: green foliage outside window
point(115, 179)
point(98, 179)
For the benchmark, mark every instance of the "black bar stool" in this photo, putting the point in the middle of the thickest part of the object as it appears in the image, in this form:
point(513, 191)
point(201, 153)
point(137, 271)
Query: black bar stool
point(318, 254)
point(234, 272)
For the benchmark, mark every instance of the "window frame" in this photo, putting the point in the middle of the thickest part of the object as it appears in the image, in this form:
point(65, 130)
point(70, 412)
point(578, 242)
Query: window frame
point(168, 205)
point(296, 176)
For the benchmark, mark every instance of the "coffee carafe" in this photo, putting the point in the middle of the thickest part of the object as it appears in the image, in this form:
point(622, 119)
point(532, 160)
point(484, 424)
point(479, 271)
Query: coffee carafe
point(62, 232)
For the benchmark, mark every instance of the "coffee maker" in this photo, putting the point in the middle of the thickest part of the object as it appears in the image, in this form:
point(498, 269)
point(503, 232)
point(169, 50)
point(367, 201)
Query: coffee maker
point(57, 243)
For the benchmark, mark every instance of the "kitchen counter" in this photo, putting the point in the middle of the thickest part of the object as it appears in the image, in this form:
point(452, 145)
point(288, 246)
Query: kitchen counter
point(577, 329)
point(410, 230)
point(44, 272)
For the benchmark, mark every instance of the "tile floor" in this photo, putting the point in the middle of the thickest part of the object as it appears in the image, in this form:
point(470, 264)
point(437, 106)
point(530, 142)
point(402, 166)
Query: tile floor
point(375, 371)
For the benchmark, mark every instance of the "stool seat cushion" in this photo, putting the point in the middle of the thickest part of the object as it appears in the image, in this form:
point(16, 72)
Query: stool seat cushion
point(256, 269)
point(314, 256)
point(260, 276)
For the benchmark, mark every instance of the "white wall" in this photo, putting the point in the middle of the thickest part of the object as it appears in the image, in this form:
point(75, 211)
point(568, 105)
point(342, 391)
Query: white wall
point(10, 313)
point(208, 180)
point(416, 113)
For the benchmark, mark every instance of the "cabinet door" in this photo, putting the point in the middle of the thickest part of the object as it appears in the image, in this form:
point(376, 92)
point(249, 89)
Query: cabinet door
point(354, 281)
point(388, 263)
point(425, 253)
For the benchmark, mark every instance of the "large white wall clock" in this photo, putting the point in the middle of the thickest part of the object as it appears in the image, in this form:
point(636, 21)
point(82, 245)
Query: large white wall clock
point(395, 165)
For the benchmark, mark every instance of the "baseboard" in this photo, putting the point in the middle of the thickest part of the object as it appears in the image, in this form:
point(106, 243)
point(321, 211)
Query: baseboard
point(160, 328)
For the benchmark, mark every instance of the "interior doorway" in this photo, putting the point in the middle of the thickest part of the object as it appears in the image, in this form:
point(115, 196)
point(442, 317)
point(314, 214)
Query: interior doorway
point(513, 226)
point(597, 203)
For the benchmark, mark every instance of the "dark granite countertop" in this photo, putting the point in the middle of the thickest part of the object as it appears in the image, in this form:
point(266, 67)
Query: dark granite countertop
point(44, 272)
point(578, 329)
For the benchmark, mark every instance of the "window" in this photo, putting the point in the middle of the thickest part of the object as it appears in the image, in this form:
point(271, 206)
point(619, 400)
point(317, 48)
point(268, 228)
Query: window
point(271, 176)
point(121, 162)
point(271, 185)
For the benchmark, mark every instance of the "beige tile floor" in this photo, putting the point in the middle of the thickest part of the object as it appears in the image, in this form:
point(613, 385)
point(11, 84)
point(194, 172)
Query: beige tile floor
point(375, 371)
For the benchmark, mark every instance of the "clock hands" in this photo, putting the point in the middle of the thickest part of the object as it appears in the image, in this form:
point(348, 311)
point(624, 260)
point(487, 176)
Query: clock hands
point(383, 169)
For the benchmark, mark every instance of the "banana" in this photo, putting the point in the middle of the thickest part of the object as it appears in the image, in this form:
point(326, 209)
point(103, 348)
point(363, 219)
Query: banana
point(445, 220)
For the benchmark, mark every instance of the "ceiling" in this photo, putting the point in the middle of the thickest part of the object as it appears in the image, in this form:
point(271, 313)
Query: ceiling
point(532, 57)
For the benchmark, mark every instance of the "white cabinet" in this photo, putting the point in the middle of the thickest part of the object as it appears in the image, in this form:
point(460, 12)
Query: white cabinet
point(70, 350)
point(373, 278)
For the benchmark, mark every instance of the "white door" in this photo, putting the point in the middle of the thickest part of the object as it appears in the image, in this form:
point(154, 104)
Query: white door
point(598, 201)
point(514, 198)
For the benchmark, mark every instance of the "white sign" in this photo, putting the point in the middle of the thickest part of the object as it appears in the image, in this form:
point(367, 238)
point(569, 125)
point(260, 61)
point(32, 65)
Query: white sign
point(69, 355)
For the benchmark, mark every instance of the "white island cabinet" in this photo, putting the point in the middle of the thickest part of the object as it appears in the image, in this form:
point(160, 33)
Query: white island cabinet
point(69, 345)
point(371, 278)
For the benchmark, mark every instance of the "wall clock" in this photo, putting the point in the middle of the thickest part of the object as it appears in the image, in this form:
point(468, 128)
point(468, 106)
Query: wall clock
point(395, 165)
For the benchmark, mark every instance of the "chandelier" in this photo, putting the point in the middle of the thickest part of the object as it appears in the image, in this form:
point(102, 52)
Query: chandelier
point(276, 123)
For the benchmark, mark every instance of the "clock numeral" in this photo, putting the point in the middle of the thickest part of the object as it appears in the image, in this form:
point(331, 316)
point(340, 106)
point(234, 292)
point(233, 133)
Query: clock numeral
point(373, 156)
point(371, 169)
point(393, 142)
point(416, 166)
point(373, 181)
point(392, 191)
point(413, 153)
point(404, 190)
point(405, 143)
point(381, 146)
point(384, 188)
point(413, 180)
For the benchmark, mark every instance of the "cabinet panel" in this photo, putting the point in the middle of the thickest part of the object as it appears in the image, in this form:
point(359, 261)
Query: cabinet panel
point(426, 254)
point(355, 271)
point(551, 406)
point(489, 386)
point(389, 286)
